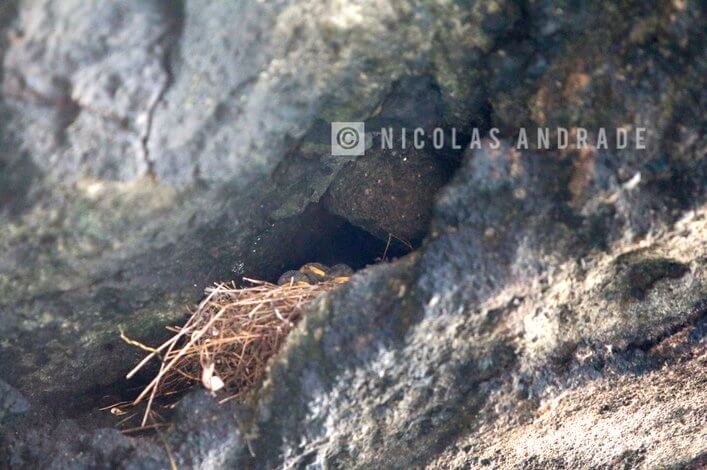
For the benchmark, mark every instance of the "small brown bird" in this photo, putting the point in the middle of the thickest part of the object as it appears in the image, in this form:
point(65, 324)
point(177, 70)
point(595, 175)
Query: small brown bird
point(316, 272)
point(340, 270)
point(293, 277)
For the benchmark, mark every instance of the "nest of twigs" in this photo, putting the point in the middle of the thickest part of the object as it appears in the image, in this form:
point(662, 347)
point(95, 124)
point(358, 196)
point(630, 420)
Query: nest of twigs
point(227, 341)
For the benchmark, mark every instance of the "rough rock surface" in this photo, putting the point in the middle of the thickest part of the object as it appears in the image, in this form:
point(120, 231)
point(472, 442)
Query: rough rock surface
point(554, 315)
point(389, 193)
point(434, 366)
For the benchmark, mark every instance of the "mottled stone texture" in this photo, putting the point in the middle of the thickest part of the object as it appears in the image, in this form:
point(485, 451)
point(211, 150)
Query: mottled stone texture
point(553, 315)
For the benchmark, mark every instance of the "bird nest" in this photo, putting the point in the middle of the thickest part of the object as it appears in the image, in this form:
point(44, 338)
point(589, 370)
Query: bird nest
point(227, 341)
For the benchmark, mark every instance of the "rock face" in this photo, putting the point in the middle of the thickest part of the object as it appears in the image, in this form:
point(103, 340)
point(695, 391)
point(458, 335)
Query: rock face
point(83, 79)
point(553, 315)
point(388, 194)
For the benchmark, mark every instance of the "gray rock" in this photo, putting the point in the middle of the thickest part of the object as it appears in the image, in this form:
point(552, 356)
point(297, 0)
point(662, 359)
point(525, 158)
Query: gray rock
point(426, 354)
point(150, 149)
point(91, 72)
point(64, 445)
point(11, 401)
point(389, 192)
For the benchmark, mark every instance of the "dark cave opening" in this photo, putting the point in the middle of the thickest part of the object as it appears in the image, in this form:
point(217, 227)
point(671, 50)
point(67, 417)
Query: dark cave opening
point(329, 239)
point(351, 245)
